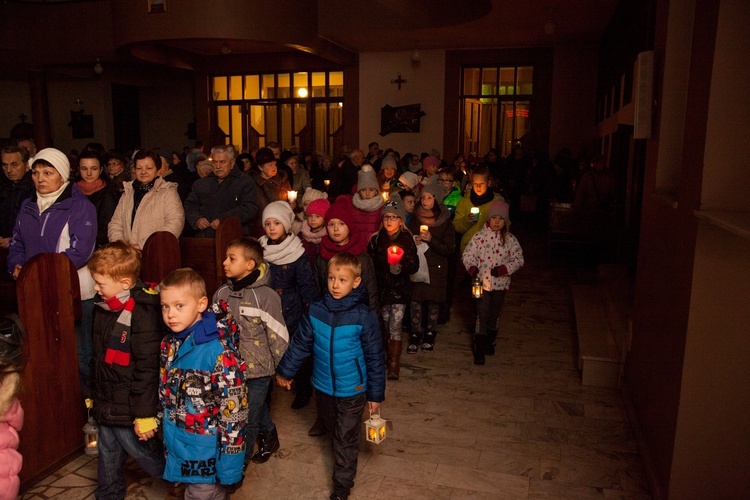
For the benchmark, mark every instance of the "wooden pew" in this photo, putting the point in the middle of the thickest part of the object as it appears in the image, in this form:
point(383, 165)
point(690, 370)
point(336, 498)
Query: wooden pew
point(51, 395)
point(161, 255)
point(206, 255)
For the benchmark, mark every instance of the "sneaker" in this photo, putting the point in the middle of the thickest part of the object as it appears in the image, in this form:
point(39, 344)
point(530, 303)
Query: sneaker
point(428, 343)
point(413, 346)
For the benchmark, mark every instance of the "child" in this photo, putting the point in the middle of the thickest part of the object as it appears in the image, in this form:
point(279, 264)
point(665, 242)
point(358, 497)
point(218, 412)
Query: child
point(481, 196)
point(387, 178)
point(292, 278)
point(300, 212)
point(440, 239)
point(313, 228)
point(494, 254)
point(201, 390)
point(393, 280)
point(368, 202)
point(11, 413)
point(348, 368)
point(451, 191)
point(263, 335)
point(409, 200)
point(124, 380)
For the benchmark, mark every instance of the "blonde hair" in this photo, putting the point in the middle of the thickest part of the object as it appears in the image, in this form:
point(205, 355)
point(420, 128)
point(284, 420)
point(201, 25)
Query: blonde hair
point(346, 260)
point(12, 360)
point(116, 260)
point(185, 278)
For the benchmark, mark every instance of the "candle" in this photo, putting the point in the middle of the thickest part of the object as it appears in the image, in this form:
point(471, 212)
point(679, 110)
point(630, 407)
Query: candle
point(394, 255)
point(327, 182)
point(291, 196)
point(386, 196)
point(474, 210)
point(423, 228)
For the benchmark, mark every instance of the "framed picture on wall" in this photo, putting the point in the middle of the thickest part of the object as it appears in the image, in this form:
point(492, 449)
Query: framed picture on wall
point(157, 6)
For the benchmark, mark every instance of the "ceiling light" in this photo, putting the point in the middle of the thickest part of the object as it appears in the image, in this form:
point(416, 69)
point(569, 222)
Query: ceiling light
point(98, 68)
point(302, 92)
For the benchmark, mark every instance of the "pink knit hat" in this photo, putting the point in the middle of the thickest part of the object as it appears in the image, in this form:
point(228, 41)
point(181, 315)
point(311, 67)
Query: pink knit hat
point(319, 207)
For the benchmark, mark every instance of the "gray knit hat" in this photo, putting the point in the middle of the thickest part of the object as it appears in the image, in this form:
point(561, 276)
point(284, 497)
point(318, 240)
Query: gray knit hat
point(395, 206)
point(366, 178)
point(388, 162)
point(436, 191)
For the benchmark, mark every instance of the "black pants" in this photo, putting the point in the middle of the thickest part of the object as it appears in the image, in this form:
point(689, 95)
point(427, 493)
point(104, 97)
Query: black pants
point(488, 310)
point(343, 419)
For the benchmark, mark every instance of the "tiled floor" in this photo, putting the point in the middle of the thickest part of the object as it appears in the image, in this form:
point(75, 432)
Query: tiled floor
point(522, 426)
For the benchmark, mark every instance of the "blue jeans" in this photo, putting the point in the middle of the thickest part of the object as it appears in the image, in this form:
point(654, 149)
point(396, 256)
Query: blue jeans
point(115, 444)
point(258, 418)
point(84, 341)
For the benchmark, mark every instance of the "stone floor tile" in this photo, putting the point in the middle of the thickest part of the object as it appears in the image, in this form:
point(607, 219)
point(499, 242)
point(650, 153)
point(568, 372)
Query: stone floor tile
point(487, 481)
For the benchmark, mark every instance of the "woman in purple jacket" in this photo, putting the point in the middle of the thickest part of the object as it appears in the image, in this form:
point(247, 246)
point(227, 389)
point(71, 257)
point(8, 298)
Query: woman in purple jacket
point(58, 218)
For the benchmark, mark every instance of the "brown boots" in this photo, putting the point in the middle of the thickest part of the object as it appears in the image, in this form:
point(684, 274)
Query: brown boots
point(394, 354)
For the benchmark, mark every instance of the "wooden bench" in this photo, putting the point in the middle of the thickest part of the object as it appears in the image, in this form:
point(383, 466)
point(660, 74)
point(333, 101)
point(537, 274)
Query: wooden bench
point(206, 255)
point(48, 298)
point(601, 350)
point(161, 255)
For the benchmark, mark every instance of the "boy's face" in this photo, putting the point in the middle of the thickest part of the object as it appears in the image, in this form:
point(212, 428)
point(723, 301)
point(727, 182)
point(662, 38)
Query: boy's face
point(341, 281)
point(496, 222)
point(368, 193)
point(409, 204)
point(107, 287)
point(338, 232)
point(274, 229)
point(315, 221)
point(180, 308)
point(236, 265)
point(479, 184)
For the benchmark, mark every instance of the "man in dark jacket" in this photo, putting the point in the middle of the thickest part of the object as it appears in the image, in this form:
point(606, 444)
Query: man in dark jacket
point(14, 189)
point(346, 177)
point(227, 191)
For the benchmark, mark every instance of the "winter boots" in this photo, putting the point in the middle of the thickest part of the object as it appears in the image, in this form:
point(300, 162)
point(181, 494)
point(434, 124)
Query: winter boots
point(394, 354)
point(490, 348)
point(268, 444)
point(480, 346)
point(428, 343)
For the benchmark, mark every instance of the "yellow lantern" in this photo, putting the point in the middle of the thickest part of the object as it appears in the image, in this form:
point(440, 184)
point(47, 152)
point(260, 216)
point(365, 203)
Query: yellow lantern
point(476, 287)
point(91, 437)
point(375, 428)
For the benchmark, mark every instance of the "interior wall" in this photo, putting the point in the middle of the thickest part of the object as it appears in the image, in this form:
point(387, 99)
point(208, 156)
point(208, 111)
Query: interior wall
point(96, 101)
point(425, 84)
point(14, 100)
point(572, 120)
point(165, 114)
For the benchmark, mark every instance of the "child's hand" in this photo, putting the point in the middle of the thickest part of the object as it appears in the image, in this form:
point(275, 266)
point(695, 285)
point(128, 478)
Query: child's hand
point(499, 271)
point(372, 406)
point(473, 270)
point(396, 269)
point(287, 384)
point(144, 423)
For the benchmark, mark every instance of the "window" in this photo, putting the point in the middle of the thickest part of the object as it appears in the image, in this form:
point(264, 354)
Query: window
point(301, 110)
point(495, 105)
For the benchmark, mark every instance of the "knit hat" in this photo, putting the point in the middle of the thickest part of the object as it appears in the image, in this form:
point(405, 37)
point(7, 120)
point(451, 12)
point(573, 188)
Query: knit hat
point(263, 156)
point(366, 178)
point(436, 191)
point(281, 211)
point(409, 180)
point(395, 206)
point(499, 208)
point(431, 161)
point(312, 195)
point(343, 210)
point(57, 159)
point(388, 162)
point(319, 207)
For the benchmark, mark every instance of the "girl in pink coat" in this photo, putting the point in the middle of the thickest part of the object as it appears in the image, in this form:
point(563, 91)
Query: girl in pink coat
point(11, 413)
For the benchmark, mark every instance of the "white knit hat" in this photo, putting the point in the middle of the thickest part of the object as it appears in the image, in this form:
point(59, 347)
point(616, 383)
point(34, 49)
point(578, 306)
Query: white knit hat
point(57, 159)
point(281, 211)
point(312, 195)
point(409, 180)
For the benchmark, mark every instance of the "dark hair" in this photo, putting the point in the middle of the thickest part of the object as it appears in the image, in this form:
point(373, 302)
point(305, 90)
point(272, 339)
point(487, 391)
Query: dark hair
point(10, 150)
point(142, 154)
point(103, 171)
point(404, 193)
point(263, 156)
point(251, 249)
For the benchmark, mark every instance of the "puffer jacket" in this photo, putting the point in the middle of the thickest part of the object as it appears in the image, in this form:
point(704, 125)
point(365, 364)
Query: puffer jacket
point(296, 286)
point(344, 338)
point(203, 398)
point(440, 249)
point(160, 210)
point(10, 460)
point(393, 288)
point(263, 335)
point(369, 280)
point(462, 225)
point(123, 393)
point(486, 251)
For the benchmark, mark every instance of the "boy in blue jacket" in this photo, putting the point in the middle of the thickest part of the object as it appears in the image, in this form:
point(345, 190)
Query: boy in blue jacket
point(348, 363)
point(202, 393)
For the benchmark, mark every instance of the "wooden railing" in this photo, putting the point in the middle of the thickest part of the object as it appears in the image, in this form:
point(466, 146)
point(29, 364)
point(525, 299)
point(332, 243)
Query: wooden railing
point(206, 255)
point(161, 255)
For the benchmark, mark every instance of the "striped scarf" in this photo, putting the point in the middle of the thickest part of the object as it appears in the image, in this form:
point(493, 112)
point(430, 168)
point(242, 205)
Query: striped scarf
point(118, 350)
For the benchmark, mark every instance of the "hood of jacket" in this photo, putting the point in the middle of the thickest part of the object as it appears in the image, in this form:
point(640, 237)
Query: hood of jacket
point(356, 296)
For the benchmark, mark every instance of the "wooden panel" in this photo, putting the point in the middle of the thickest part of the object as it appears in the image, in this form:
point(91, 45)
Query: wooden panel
point(55, 413)
point(161, 255)
point(8, 302)
point(206, 255)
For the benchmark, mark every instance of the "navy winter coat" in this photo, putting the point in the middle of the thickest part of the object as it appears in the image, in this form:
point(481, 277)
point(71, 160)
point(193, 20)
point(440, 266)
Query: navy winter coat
point(295, 284)
point(344, 336)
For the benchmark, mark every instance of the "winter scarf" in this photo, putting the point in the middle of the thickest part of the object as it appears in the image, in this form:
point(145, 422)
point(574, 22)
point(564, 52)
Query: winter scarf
point(139, 191)
point(89, 188)
point(311, 236)
point(285, 252)
point(44, 201)
point(118, 350)
point(370, 205)
point(431, 218)
point(244, 282)
point(478, 201)
point(356, 245)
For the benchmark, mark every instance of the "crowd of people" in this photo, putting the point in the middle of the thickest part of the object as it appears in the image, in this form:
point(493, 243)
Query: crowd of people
point(342, 260)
